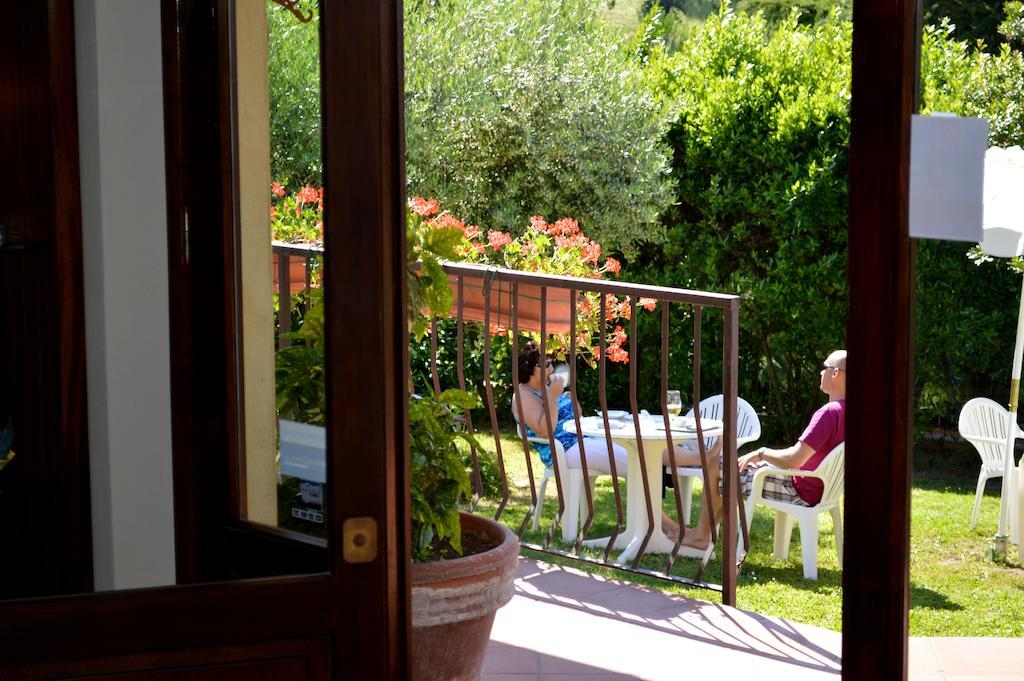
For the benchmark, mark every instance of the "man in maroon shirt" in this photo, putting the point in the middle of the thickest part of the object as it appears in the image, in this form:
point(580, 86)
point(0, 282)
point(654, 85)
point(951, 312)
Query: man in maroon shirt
point(826, 429)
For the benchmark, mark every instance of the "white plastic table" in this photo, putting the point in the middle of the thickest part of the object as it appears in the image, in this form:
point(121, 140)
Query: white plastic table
point(654, 440)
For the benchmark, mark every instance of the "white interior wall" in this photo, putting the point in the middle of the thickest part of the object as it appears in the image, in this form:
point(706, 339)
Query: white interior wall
point(124, 225)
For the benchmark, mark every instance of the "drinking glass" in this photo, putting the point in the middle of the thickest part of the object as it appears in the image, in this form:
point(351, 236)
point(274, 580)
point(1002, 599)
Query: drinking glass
point(674, 402)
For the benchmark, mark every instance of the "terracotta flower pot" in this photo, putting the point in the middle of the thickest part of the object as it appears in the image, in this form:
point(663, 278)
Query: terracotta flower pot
point(296, 272)
point(454, 601)
point(558, 305)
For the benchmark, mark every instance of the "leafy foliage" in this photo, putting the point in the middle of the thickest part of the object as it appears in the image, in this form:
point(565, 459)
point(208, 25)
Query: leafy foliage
point(1012, 27)
point(516, 108)
point(429, 240)
point(299, 368)
point(294, 88)
point(438, 482)
point(760, 141)
point(970, 20)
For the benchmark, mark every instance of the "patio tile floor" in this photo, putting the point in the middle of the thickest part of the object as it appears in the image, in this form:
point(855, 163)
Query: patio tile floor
point(567, 625)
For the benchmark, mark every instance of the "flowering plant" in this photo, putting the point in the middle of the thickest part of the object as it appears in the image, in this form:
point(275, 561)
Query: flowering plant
point(556, 248)
point(430, 239)
point(296, 218)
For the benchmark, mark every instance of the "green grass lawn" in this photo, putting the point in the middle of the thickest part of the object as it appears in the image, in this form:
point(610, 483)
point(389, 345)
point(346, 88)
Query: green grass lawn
point(955, 590)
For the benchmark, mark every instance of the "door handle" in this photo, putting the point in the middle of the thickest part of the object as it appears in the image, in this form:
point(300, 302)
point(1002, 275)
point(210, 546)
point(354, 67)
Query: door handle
point(359, 540)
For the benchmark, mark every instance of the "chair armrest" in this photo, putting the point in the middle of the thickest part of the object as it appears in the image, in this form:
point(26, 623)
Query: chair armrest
point(791, 472)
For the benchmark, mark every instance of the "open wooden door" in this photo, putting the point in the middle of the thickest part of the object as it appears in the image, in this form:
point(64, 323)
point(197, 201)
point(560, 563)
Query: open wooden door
point(250, 600)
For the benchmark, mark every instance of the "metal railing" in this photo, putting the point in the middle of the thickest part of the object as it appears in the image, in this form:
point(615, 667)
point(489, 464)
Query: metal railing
point(285, 254)
point(499, 295)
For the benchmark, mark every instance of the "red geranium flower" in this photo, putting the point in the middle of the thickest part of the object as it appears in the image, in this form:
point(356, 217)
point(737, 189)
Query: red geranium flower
point(566, 226)
point(422, 207)
point(648, 303)
point(448, 220)
point(612, 265)
point(277, 189)
point(592, 252)
point(308, 195)
point(498, 239)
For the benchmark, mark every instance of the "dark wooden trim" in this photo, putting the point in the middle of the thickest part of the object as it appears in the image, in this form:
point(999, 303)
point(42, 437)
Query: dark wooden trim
point(886, 46)
point(366, 333)
point(75, 524)
point(232, 261)
point(262, 655)
point(120, 623)
point(45, 511)
point(195, 214)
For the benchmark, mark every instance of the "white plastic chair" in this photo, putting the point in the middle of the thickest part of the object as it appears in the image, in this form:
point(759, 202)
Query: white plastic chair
point(748, 429)
point(832, 473)
point(572, 487)
point(983, 424)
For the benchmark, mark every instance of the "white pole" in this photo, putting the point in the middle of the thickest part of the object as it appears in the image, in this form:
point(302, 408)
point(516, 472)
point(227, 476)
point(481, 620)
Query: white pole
point(1020, 509)
point(1001, 539)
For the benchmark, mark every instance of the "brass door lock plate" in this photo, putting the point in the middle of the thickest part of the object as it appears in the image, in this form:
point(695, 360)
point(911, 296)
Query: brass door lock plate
point(359, 540)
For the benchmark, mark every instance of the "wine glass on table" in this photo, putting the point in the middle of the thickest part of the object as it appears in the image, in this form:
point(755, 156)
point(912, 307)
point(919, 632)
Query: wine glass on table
point(673, 402)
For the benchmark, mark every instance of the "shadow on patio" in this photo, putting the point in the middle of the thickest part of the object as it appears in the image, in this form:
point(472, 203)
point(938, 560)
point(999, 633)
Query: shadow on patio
point(564, 624)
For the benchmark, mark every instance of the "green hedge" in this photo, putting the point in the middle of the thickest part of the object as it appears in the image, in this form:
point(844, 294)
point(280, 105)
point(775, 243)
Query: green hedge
point(760, 142)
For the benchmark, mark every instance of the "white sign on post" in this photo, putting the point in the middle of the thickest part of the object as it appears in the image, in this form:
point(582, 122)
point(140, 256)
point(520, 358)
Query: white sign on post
point(947, 166)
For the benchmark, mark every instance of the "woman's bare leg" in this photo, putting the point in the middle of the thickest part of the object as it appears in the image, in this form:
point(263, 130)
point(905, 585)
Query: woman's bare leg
point(700, 535)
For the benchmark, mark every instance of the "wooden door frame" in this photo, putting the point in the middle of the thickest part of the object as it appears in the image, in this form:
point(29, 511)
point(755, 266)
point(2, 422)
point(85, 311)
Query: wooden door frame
point(876, 574)
point(199, 624)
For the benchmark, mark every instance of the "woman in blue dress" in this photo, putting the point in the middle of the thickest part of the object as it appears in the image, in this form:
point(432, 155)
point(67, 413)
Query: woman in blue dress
point(535, 378)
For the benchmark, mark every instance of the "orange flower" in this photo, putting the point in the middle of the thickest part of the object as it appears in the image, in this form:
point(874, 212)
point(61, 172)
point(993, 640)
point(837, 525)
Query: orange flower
point(592, 252)
point(617, 354)
point(539, 225)
point(422, 207)
point(498, 330)
point(611, 306)
point(566, 226)
point(498, 239)
point(447, 220)
point(308, 195)
point(273, 213)
point(584, 306)
point(612, 265)
point(277, 189)
point(648, 303)
point(472, 232)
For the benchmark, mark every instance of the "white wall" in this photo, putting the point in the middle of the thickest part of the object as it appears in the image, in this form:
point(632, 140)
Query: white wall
point(124, 225)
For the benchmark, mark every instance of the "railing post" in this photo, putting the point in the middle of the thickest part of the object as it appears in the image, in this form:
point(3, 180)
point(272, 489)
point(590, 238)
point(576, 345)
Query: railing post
point(730, 491)
point(284, 298)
